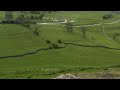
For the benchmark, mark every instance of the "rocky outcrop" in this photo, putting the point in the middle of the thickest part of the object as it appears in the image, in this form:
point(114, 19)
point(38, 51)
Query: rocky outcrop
point(67, 76)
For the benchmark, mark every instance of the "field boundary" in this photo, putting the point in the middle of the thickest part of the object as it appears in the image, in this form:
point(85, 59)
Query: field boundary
point(100, 46)
point(44, 49)
point(21, 55)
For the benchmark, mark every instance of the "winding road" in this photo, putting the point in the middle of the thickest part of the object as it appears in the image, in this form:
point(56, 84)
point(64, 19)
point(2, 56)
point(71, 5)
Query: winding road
point(89, 25)
point(99, 24)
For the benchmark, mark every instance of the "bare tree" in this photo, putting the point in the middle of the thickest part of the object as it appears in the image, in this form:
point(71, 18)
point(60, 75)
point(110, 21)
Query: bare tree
point(35, 30)
point(69, 26)
point(83, 30)
point(8, 16)
point(22, 19)
point(115, 35)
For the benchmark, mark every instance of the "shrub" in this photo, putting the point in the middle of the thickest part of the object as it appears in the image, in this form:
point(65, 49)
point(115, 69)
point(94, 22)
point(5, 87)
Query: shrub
point(50, 47)
point(31, 17)
point(36, 17)
point(107, 16)
point(36, 32)
point(41, 16)
point(59, 41)
point(26, 25)
point(29, 77)
point(55, 46)
point(3, 21)
point(48, 41)
point(105, 68)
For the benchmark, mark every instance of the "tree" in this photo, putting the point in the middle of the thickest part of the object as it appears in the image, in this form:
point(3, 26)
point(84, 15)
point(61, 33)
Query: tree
point(35, 12)
point(27, 19)
point(83, 30)
point(41, 16)
point(92, 38)
point(31, 17)
point(49, 11)
point(115, 35)
point(35, 30)
point(3, 21)
point(48, 41)
point(8, 16)
point(36, 17)
point(55, 46)
point(59, 41)
point(69, 26)
point(22, 19)
point(108, 16)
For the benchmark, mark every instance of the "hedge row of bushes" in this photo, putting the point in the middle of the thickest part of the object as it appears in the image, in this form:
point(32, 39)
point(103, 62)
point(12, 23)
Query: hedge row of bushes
point(107, 16)
point(8, 22)
point(54, 45)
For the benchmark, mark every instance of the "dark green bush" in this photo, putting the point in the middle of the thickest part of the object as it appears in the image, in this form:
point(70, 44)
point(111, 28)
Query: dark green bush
point(36, 32)
point(50, 47)
point(59, 41)
point(108, 16)
point(55, 46)
point(48, 41)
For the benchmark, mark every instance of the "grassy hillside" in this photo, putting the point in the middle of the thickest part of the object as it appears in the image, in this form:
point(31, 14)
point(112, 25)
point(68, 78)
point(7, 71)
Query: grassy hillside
point(16, 39)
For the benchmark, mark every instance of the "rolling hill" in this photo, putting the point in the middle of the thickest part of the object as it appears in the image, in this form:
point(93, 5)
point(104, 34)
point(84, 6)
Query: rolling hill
point(97, 50)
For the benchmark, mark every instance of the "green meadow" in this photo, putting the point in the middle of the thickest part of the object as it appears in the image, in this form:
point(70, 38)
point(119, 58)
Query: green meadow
point(16, 39)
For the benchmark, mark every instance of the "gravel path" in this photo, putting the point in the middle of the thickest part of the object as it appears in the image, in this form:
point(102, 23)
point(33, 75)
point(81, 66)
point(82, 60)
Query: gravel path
point(103, 29)
point(65, 20)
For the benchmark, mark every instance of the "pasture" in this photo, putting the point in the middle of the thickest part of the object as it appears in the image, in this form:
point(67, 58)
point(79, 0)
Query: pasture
point(16, 39)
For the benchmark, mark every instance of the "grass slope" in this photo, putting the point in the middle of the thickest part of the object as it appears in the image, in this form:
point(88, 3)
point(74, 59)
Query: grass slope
point(16, 39)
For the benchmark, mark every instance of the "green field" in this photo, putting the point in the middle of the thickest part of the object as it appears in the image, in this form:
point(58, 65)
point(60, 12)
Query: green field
point(16, 39)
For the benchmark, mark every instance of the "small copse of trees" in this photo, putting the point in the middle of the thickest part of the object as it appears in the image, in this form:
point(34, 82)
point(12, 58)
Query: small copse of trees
point(54, 45)
point(108, 16)
point(115, 35)
point(36, 17)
